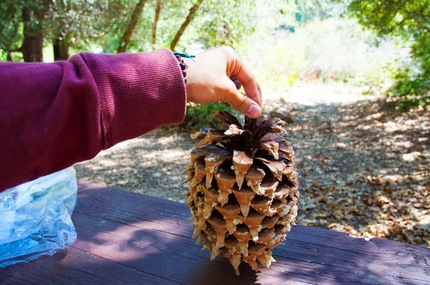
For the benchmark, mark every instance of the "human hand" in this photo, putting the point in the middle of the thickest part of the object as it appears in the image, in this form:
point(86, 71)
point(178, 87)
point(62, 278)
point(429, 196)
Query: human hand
point(210, 79)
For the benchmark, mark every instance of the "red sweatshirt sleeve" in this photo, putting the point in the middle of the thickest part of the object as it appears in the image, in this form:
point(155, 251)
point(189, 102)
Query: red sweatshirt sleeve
point(53, 115)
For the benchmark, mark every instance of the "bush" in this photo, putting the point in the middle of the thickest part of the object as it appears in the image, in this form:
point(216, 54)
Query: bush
point(199, 116)
point(410, 91)
point(409, 21)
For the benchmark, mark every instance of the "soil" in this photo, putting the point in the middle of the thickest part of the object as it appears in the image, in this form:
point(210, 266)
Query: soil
point(363, 166)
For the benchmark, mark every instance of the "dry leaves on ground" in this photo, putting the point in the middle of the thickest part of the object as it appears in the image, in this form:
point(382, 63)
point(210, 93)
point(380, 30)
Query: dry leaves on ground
point(363, 169)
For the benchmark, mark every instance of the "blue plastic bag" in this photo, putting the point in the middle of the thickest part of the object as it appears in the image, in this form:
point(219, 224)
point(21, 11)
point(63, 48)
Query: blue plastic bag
point(35, 217)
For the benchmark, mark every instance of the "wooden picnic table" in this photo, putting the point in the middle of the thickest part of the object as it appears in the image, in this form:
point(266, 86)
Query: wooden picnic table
point(129, 238)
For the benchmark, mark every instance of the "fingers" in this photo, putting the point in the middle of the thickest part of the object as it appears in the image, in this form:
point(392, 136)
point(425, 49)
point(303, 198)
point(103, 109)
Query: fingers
point(249, 108)
point(243, 103)
point(238, 71)
point(216, 75)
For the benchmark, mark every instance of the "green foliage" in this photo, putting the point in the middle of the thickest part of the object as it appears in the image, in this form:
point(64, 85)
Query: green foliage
point(226, 24)
point(328, 49)
point(99, 24)
point(198, 116)
point(309, 10)
point(80, 22)
point(409, 20)
point(10, 27)
point(410, 92)
point(116, 18)
point(213, 25)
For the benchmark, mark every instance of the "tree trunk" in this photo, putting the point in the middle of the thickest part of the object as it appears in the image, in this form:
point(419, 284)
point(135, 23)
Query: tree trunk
point(187, 21)
point(32, 45)
point(60, 44)
point(156, 18)
point(61, 49)
point(125, 39)
point(33, 16)
point(9, 56)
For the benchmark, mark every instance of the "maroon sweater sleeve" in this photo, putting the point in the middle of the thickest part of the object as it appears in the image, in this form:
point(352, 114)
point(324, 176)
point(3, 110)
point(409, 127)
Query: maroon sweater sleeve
point(53, 115)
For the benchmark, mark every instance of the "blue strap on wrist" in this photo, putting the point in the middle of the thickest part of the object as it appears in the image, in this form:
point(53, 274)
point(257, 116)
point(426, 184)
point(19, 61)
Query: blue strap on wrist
point(179, 56)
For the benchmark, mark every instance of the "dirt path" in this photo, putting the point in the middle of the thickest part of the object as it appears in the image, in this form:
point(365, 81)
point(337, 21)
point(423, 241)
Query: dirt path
point(363, 170)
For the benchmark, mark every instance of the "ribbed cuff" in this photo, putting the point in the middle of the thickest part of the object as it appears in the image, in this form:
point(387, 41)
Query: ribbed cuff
point(138, 92)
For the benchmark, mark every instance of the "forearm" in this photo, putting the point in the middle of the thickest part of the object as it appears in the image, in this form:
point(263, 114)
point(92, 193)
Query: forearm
point(54, 115)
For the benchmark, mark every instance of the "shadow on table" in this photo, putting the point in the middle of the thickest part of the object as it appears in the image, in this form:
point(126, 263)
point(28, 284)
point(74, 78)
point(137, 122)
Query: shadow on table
point(150, 235)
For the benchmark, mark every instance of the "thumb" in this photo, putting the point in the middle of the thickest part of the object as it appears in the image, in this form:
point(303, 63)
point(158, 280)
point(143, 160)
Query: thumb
point(244, 104)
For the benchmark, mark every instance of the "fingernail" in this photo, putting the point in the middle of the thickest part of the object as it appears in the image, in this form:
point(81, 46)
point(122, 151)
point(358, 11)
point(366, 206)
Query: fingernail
point(254, 111)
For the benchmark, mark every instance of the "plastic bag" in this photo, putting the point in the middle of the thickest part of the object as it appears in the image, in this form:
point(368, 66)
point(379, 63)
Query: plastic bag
point(35, 217)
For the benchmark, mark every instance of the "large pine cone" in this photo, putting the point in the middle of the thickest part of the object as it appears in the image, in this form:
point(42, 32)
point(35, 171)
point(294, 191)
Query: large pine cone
point(243, 190)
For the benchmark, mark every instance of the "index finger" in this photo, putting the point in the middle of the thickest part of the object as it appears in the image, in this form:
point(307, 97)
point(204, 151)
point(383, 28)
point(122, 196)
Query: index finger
point(249, 83)
point(246, 78)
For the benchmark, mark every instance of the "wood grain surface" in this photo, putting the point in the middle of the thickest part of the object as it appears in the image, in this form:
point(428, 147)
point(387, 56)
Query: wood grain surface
point(129, 238)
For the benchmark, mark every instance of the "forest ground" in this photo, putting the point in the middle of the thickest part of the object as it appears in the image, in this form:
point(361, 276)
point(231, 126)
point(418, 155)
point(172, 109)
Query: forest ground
point(364, 168)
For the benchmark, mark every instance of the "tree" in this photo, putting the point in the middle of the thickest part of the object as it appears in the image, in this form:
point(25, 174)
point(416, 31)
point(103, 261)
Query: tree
point(119, 25)
point(125, 39)
point(27, 26)
point(60, 42)
point(33, 16)
point(156, 18)
point(409, 20)
point(228, 24)
point(177, 24)
point(22, 27)
point(10, 35)
point(191, 14)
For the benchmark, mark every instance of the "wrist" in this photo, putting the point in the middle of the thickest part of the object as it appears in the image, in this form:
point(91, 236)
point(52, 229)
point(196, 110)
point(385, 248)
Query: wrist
point(180, 57)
